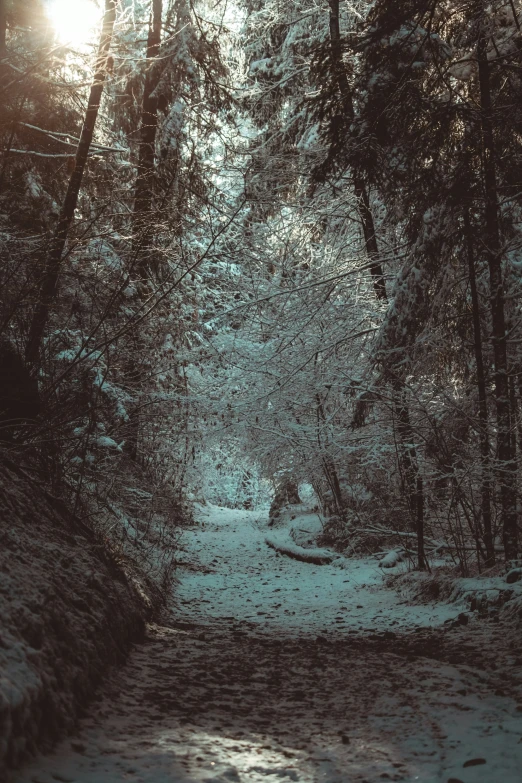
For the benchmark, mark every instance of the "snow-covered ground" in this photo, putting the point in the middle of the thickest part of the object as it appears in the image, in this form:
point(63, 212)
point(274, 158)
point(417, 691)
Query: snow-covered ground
point(240, 578)
point(276, 670)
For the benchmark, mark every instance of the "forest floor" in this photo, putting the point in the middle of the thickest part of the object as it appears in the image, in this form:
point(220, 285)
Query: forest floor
point(278, 670)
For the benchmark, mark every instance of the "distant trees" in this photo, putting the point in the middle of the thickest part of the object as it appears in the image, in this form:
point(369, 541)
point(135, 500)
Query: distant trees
point(430, 115)
point(405, 116)
point(121, 213)
point(301, 233)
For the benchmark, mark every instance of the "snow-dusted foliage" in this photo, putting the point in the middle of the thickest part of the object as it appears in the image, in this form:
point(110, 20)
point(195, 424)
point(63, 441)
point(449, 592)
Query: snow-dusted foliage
point(289, 225)
point(254, 246)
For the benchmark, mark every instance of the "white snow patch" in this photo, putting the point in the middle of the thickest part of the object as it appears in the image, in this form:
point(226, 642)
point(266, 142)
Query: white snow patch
point(239, 576)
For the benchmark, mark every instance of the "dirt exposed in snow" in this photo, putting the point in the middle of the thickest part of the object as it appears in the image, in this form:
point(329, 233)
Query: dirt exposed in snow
point(277, 669)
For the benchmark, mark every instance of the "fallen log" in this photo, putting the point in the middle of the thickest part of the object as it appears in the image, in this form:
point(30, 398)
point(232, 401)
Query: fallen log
point(288, 548)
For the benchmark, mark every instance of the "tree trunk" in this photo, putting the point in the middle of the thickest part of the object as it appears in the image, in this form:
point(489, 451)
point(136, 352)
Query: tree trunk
point(360, 189)
point(419, 508)
point(506, 467)
point(485, 450)
point(286, 494)
point(408, 452)
point(412, 477)
point(329, 469)
point(370, 238)
point(244, 490)
point(142, 219)
point(515, 419)
point(143, 224)
point(49, 283)
point(3, 28)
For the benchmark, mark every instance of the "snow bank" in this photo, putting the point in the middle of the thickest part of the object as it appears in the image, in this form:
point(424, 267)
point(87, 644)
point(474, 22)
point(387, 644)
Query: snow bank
point(66, 614)
point(484, 594)
point(393, 558)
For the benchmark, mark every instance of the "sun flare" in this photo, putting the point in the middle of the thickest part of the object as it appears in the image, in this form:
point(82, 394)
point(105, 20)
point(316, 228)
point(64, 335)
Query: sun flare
point(74, 20)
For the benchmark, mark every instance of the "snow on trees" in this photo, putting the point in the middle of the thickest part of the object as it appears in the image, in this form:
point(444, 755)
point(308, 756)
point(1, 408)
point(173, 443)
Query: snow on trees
point(295, 230)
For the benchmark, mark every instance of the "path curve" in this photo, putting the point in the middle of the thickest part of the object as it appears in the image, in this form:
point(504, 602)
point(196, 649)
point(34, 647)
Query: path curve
point(276, 670)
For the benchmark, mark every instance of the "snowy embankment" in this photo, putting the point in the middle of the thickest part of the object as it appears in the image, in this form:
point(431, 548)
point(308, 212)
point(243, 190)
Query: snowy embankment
point(297, 529)
point(66, 614)
point(486, 595)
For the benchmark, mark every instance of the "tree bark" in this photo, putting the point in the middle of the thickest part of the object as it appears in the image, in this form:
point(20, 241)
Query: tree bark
point(142, 219)
point(49, 283)
point(3, 28)
point(144, 190)
point(360, 189)
point(412, 477)
point(370, 238)
point(485, 449)
point(329, 467)
point(506, 467)
point(408, 456)
point(287, 493)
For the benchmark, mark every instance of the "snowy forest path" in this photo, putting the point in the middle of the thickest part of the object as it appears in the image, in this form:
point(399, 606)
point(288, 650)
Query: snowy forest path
point(278, 670)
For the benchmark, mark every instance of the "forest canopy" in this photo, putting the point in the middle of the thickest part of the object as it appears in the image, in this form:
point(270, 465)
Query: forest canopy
point(251, 245)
